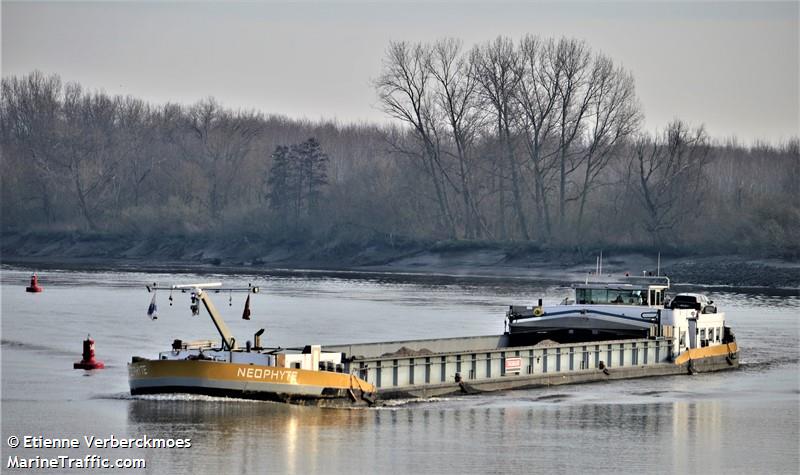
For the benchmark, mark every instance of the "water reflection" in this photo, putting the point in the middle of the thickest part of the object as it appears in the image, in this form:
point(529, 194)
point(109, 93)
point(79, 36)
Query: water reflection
point(691, 420)
point(244, 436)
point(253, 436)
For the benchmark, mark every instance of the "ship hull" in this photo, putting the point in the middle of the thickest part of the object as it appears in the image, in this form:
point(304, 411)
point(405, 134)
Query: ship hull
point(216, 378)
point(702, 360)
point(322, 388)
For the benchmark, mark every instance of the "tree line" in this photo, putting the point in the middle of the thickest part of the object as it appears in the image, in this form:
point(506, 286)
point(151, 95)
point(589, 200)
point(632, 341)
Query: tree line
point(536, 140)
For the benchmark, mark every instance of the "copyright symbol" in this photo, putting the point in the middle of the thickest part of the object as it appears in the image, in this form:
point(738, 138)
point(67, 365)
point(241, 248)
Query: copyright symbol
point(13, 441)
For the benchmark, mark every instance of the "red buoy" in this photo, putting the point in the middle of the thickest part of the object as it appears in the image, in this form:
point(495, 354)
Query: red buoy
point(88, 361)
point(34, 287)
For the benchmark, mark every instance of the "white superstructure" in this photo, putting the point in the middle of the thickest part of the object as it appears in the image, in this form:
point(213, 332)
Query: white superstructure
point(634, 307)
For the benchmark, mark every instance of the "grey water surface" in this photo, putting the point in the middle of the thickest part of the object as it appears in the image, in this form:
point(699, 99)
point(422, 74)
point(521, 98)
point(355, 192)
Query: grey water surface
point(744, 421)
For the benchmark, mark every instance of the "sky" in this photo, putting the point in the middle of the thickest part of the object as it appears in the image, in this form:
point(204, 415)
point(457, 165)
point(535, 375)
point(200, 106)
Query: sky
point(731, 66)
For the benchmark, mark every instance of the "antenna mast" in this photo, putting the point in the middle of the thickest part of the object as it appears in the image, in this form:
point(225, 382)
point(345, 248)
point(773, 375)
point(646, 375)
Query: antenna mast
point(658, 267)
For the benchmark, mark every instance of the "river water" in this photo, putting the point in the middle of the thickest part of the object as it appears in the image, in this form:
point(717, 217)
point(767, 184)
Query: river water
point(745, 421)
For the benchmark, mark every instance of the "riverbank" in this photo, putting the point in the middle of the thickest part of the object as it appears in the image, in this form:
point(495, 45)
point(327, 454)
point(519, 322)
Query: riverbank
point(491, 260)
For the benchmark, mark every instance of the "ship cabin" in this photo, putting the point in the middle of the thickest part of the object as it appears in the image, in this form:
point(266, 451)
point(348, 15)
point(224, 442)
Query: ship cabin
point(638, 291)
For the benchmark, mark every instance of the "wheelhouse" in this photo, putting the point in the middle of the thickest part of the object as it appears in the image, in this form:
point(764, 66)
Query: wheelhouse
point(638, 291)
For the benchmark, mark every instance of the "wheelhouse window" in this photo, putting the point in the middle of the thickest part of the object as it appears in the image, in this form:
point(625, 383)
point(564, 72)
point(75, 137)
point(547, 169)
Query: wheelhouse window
point(582, 296)
point(599, 296)
point(610, 296)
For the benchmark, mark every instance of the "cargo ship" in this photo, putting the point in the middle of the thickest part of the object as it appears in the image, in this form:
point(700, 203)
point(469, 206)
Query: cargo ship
point(626, 329)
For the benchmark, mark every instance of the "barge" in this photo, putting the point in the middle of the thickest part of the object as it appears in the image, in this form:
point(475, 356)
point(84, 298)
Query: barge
point(607, 331)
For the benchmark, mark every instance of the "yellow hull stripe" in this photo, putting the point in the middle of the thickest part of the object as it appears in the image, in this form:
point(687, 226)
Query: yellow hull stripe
point(706, 352)
point(244, 373)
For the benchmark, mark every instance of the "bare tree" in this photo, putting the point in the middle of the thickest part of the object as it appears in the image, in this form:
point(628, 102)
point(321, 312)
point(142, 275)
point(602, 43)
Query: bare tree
point(575, 94)
point(405, 92)
point(219, 141)
point(89, 149)
point(30, 111)
point(537, 95)
point(671, 178)
point(496, 66)
point(456, 97)
point(612, 116)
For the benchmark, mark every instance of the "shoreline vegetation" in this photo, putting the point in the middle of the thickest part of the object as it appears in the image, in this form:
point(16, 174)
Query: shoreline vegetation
point(471, 260)
point(511, 153)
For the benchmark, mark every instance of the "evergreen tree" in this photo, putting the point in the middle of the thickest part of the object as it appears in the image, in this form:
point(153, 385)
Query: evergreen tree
point(279, 180)
point(314, 165)
point(295, 181)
